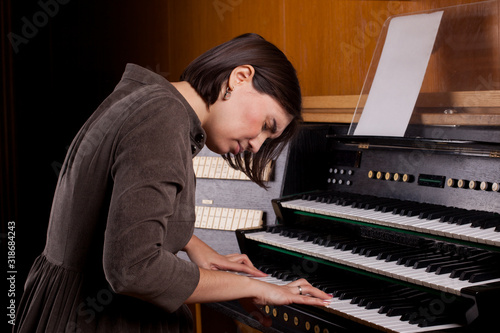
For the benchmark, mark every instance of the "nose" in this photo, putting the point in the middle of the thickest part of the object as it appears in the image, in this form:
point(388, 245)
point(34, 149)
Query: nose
point(256, 143)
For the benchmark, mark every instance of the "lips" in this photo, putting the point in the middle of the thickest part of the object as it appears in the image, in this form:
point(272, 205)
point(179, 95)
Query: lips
point(238, 149)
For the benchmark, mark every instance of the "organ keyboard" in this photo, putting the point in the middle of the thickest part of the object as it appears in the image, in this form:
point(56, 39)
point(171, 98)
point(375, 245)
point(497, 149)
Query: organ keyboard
point(393, 263)
point(404, 232)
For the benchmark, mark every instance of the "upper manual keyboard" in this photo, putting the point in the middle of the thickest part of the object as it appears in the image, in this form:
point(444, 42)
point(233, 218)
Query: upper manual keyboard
point(469, 225)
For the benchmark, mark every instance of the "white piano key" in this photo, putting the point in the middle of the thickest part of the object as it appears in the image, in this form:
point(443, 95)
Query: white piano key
point(391, 269)
point(464, 232)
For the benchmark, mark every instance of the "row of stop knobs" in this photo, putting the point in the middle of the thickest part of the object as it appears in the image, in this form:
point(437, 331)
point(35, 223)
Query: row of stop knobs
point(451, 182)
point(407, 178)
point(473, 184)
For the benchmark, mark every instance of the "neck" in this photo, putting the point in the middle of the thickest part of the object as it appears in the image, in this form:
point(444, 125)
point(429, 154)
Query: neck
point(192, 97)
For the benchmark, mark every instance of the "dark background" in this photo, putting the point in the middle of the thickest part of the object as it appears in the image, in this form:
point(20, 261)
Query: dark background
point(60, 59)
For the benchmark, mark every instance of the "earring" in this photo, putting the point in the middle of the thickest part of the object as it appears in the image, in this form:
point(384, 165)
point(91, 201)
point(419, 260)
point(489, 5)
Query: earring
point(227, 95)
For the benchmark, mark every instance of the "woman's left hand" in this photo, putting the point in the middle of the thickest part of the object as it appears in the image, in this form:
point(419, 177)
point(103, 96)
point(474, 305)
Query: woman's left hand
point(206, 257)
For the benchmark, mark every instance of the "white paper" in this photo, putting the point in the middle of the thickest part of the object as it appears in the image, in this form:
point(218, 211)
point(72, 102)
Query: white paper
point(400, 72)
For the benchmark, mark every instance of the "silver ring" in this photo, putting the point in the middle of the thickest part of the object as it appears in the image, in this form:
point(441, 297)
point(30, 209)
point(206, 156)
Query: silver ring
point(300, 290)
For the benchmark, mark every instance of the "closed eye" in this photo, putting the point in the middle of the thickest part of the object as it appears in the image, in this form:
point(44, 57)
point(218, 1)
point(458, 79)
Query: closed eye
point(273, 129)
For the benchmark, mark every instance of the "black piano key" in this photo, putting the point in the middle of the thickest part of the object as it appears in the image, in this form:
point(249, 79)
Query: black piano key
point(281, 274)
point(401, 310)
point(434, 267)
point(336, 291)
point(400, 205)
point(493, 222)
point(319, 240)
point(400, 209)
point(334, 241)
point(377, 301)
point(346, 246)
point(454, 218)
point(467, 274)
point(370, 204)
point(321, 284)
point(454, 269)
point(481, 258)
point(306, 237)
point(266, 268)
point(390, 305)
point(390, 292)
point(285, 232)
point(394, 255)
point(485, 222)
point(412, 261)
point(349, 294)
point(332, 286)
point(376, 250)
point(412, 301)
point(456, 273)
point(410, 257)
point(429, 321)
point(426, 262)
point(493, 273)
point(386, 208)
point(439, 213)
point(418, 209)
point(332, 200)
point(448, 217)
point(464, 220)
point(424, 214)
point(362, 300)
point(274, 229)
point(362, 245)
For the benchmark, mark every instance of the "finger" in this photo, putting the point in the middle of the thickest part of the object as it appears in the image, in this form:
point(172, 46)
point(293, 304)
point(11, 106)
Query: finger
point(242, 259)
point(299, 282)
point(312, 301)
point(308, 290)
point(237, 267)
point(249, 270)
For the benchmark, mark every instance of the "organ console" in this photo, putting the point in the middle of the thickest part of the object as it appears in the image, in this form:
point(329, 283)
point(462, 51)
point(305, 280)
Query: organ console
point(403, 231)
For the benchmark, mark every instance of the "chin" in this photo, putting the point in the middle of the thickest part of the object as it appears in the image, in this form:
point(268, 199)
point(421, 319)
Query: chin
point(216, 149)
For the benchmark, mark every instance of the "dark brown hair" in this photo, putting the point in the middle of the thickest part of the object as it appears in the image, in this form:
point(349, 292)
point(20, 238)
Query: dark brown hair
point(274, 76)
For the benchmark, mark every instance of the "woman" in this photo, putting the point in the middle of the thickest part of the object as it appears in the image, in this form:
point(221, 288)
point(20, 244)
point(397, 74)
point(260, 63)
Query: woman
point(124, 203)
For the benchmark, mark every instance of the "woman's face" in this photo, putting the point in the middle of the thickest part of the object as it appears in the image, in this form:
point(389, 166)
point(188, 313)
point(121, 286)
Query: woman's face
point(244, 121)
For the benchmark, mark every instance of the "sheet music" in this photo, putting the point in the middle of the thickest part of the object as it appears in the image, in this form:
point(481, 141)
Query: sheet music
point(399, 76)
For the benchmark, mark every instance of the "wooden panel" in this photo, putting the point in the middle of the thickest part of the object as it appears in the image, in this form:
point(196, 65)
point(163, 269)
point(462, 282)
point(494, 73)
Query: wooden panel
point(332, 42)
point(479, 108)
point(196, 26)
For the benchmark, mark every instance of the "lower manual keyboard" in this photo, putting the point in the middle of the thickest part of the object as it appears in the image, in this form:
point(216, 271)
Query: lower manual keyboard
point(376, 264)
point(405, 317)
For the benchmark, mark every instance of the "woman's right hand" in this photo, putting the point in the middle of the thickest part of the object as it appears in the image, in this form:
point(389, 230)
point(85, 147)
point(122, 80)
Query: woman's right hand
point(299, 291)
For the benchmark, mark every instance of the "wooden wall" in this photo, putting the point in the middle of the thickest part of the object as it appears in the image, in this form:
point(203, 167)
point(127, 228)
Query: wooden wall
point(329, 42)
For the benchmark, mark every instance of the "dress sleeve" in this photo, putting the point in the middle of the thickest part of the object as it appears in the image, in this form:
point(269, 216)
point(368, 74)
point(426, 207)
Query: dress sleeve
point(149, 171)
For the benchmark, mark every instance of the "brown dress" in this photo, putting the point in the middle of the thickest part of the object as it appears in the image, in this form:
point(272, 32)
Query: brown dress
point(123, 207)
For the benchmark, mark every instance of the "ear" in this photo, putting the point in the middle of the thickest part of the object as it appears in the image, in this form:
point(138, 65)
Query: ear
point(240, 75)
